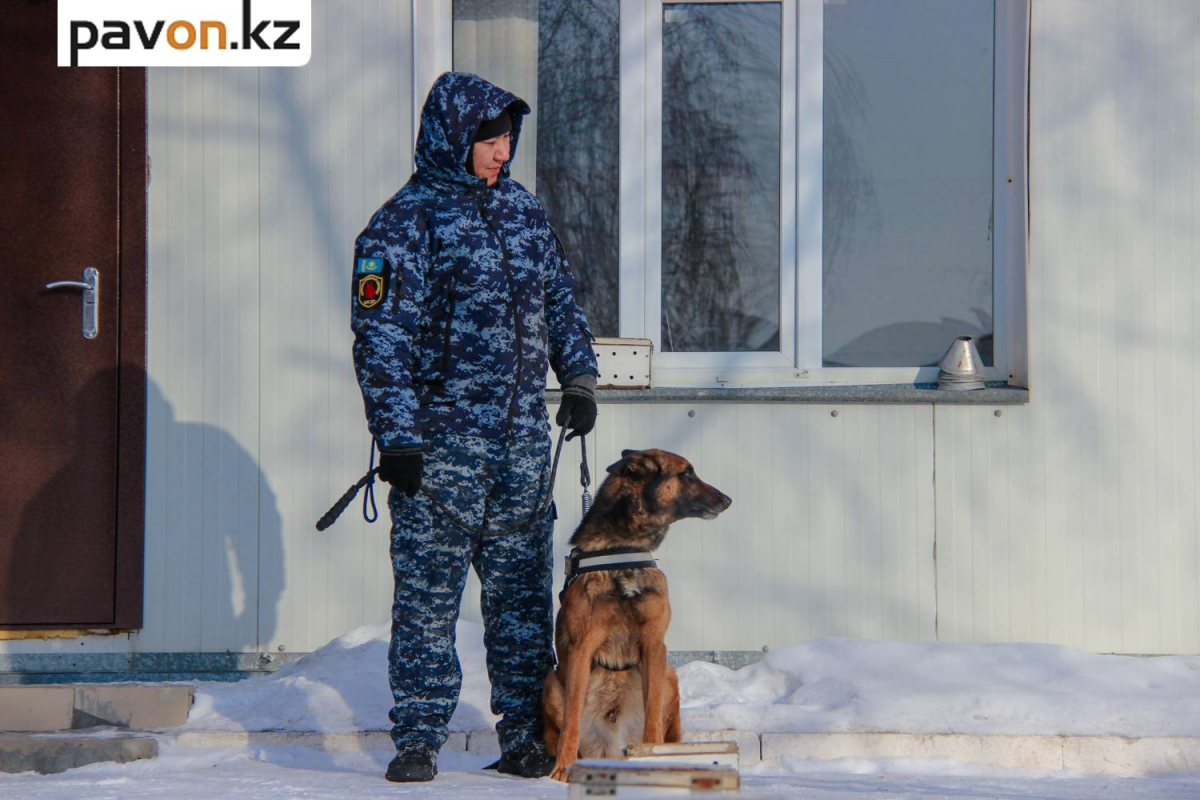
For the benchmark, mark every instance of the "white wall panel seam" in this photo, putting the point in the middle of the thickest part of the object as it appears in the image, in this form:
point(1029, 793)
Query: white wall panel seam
point(258, 634)
point(934, 555)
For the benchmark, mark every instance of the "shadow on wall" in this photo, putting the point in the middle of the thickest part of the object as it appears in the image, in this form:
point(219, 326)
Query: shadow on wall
point(214, 556)
point(214, 538)
point(294, 176)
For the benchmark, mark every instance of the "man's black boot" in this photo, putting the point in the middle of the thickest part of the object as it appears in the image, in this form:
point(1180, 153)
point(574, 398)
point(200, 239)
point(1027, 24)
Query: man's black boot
point(530, 760)
point(418, 764)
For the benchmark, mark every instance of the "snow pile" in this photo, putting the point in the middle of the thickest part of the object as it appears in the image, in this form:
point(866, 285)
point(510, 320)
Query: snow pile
point(821, 686)
point(340, 688)
point(853, 685)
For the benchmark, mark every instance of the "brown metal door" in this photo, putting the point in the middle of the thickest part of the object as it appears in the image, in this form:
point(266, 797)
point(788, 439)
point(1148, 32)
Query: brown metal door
point(60, 181)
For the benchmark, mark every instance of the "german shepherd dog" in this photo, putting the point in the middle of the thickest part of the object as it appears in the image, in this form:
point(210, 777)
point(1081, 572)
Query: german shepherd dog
point(613, 686)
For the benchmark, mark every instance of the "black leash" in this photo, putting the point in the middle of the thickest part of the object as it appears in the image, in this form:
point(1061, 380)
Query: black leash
point(585, 475)
point(368, 481)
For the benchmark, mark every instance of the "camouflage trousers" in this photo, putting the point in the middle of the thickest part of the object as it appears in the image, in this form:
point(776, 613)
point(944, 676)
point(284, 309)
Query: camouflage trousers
point(489, 485)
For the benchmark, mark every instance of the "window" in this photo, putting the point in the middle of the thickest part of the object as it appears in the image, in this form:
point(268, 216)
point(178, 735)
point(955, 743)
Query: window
point(720, 177)
point(781, 192)
point(907, 168)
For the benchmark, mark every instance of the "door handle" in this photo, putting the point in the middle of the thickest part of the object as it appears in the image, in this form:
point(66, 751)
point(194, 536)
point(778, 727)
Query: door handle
point(91, 296)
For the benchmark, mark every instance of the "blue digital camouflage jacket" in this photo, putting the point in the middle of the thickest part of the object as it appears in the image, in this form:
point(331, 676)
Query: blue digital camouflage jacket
point(462, 294)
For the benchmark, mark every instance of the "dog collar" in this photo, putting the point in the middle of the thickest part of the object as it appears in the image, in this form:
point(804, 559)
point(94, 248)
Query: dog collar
point(579, 562)
point(614, 558)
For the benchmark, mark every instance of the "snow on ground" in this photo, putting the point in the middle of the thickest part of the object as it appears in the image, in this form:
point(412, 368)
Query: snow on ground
point(821, 686)
point(340, 688)
point(829, 685)
point(285, 772)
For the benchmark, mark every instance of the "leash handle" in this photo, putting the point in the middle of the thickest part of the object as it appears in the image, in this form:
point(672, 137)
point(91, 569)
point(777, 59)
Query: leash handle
point(344, 501)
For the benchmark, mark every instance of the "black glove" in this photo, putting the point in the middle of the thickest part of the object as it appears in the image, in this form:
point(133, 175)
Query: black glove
point(402, 468)
point(577, 411)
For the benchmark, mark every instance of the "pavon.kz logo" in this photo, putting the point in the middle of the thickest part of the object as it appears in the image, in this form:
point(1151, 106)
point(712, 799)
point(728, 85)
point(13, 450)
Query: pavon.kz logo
point(184, 33)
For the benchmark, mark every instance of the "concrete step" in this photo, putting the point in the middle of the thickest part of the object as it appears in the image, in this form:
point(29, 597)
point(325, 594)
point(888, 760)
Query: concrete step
point(1104, 755)
point(48, 753)
point(72, 707)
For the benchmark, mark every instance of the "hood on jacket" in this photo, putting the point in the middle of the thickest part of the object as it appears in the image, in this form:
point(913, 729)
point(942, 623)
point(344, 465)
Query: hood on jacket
point(454, 109)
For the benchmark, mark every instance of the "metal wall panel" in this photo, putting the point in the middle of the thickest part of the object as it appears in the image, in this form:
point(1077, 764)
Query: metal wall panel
point(203, 478)
point(1074, 520)
point(831, 528)
point(335, 143)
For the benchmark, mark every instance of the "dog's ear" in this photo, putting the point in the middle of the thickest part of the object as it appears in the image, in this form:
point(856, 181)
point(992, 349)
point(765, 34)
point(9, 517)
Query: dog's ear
point(620, 467)
point(633, 463)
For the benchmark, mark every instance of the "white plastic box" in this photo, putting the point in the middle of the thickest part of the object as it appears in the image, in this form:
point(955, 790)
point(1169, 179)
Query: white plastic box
point(624, 363)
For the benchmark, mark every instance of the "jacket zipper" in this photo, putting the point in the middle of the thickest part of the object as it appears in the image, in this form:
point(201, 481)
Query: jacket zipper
point(449, 326)
point(512, 294)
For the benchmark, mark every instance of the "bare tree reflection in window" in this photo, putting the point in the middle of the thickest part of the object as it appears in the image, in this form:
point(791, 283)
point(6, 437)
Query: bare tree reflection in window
point(720, 156)
point(578, 145)
point(850, 203)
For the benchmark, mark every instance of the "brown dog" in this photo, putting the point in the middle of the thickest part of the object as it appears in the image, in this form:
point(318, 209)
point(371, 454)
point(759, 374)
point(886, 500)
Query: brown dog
point(613, 686)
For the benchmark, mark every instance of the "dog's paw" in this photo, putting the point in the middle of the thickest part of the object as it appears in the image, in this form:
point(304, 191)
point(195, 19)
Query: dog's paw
point(559, 773)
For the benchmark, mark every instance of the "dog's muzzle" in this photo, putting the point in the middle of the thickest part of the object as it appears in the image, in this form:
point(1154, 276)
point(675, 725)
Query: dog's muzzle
point(712, 510)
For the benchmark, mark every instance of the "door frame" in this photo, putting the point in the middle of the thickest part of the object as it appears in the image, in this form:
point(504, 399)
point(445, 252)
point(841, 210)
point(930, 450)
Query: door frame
point(131, 376)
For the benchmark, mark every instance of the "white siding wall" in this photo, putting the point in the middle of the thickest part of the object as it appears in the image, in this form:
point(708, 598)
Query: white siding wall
point(261, 180)
point(203, 476)
point(1073, 519)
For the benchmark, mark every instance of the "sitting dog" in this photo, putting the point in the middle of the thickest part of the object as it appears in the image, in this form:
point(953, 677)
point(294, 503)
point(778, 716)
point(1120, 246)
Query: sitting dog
point(613, 686)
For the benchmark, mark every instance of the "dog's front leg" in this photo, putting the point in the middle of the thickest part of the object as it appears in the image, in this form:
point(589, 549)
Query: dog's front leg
point(654, 673)
point(575, 677)
point(656, 614)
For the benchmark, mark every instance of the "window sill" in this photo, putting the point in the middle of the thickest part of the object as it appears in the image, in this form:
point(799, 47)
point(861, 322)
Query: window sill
point(994, 394)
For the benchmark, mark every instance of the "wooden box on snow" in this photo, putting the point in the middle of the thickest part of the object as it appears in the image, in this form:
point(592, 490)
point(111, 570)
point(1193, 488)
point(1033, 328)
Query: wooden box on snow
point(625, 779)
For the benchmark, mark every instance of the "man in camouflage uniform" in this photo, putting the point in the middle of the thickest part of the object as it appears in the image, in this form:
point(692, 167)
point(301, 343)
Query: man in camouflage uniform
point(462, 297)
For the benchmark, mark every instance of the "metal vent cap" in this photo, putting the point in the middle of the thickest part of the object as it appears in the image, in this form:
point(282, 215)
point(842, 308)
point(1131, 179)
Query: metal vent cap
point(961, 369)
